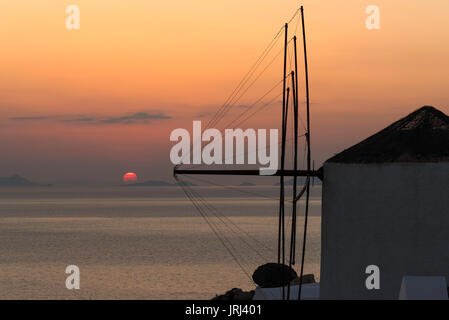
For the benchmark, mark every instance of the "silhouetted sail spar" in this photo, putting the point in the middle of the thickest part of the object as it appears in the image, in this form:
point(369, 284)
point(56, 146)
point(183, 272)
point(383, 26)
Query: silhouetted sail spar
point(289, 92)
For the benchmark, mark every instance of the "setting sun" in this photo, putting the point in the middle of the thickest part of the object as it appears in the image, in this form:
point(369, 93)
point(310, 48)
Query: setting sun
point(130, 177)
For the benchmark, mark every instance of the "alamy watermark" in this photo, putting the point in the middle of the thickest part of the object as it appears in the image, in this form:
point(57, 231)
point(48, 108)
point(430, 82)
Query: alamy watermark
point(73, 280)
point(373, 280)
point(372, 22)
point(72, 22)
point(257, 149)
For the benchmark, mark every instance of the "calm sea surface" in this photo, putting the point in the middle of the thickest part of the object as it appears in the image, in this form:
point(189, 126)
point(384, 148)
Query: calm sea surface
point(140, 242)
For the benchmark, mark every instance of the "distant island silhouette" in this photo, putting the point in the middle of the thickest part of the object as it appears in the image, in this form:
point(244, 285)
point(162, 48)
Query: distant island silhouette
point(300, 181)
point(160, 183)
point(19, 181)
point(246, 184)
point(155, 183)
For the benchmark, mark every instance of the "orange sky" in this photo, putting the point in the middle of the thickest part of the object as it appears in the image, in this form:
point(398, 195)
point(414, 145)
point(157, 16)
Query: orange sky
point(179, 60)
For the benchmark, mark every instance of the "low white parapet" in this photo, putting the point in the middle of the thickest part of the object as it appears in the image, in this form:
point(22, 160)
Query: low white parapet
point(309, 291)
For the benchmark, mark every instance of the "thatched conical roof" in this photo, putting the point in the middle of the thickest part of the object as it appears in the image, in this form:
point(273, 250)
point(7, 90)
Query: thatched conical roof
point(422, 136)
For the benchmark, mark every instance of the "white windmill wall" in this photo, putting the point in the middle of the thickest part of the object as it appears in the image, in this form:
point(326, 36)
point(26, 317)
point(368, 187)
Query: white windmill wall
point(395, 216)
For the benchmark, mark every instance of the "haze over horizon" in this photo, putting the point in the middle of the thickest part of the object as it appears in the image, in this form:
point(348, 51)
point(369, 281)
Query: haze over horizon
point(87, 106)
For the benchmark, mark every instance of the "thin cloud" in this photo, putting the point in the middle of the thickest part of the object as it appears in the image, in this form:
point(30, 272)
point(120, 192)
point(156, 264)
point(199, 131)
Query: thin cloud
point(81, 119)
point(138, 117)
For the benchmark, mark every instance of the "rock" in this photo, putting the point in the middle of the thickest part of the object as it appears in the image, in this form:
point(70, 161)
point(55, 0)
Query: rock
point(272, 275)
point(235, 294)
point(307, 278)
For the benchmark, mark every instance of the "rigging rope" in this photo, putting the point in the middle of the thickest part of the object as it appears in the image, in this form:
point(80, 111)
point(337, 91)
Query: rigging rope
point(244, 80)
point(222, 238)
point(255, 65)
point(233, 188)
point(247, 75)
point(216, 232)
point(250, 85)
point(220, 216)
point(232, 123)
point(221, 112)
point(195, 196)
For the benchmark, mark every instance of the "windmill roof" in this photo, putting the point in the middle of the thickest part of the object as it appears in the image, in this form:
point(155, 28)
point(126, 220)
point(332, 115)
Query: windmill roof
point(422, 136)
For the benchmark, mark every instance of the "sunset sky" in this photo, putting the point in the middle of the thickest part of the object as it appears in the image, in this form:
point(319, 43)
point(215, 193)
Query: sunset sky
point(88, 105)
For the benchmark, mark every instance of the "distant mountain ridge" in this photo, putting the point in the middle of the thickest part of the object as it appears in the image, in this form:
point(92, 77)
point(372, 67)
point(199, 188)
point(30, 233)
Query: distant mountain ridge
point(19, 181)
point(301, 181)
point(156, 183)
point(247, 184)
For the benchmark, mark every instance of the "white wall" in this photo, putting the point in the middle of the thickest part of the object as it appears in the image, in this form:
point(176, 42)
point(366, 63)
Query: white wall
point(395, 216)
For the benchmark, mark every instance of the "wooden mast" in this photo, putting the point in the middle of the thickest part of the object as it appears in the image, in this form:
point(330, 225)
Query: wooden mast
point(284, 134)
point(295, 163)
point(296, 124)
point(308, 154)
point(249, 172)
point(281, 224)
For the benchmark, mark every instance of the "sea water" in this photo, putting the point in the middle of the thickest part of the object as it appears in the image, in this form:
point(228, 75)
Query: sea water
point(141, 242)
